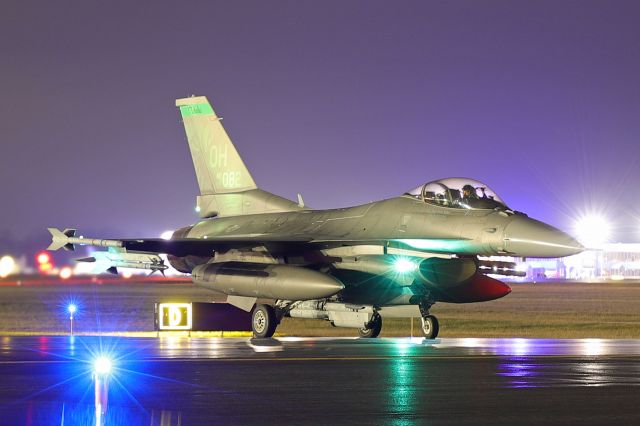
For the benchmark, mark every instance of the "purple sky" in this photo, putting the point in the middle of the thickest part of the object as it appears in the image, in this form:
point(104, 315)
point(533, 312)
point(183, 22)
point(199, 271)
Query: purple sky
point(346, 102)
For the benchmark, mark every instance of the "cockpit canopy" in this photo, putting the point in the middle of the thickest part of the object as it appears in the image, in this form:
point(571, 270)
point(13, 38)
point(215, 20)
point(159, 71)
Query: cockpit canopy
point(461, 193)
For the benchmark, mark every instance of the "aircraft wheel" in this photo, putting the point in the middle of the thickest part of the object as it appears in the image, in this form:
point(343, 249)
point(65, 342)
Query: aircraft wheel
point(373, 330)
point(430, 326)
point(264, 321)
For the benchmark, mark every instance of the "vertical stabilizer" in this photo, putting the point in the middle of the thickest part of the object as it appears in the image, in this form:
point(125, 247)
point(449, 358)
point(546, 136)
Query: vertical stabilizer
point(219, 168)
point(226, 186)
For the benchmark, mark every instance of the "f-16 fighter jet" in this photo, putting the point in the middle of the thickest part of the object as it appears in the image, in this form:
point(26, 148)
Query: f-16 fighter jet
point(352, 266)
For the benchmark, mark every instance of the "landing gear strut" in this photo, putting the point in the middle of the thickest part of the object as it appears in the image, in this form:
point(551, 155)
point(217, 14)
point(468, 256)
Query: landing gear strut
point(372, 329)
point(264, 321)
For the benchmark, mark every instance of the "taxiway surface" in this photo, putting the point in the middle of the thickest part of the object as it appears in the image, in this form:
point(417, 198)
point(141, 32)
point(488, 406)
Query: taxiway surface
point(180, 380)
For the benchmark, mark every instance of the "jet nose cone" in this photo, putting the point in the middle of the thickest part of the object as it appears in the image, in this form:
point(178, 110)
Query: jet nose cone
point(526, 237)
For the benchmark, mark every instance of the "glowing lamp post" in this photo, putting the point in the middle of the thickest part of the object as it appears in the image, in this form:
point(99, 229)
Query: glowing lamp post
point(72, 310)
point(593, 230)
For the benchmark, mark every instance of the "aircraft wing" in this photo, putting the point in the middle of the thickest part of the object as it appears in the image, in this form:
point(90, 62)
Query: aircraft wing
point(207, 246)
point(177, 247)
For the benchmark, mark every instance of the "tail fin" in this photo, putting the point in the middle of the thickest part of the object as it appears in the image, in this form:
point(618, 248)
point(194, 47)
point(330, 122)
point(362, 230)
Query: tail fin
point(226, 186)
point(60, 239)
point(219, 168)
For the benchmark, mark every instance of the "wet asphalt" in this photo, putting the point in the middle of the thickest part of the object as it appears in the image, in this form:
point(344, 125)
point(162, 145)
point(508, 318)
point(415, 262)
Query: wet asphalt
point(179, 380)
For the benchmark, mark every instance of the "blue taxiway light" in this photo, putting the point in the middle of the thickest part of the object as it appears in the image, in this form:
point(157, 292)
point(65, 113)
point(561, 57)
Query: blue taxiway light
point(102, 366)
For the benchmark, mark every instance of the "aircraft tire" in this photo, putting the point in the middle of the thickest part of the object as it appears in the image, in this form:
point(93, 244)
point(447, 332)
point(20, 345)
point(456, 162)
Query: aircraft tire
point(430, 326)
point(264, 321)
point(373, 331)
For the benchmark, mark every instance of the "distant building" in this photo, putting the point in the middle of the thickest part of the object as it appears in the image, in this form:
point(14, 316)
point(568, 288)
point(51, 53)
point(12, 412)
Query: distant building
point(611, 262)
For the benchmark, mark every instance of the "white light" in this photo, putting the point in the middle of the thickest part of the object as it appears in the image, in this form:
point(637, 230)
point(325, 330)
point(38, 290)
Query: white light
point(65, 273)
point(166, 235)
point(7, 266)
point(592, 230)
point(43, 258)
point(72, 309)
point(102, 366)
point(593, 347)
point(404, 266)
point(197, 209)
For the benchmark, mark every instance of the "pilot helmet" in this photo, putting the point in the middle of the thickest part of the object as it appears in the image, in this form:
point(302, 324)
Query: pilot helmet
point(469, 188)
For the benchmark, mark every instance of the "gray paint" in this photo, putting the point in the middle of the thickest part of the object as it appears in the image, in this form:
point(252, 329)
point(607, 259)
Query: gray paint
point(260, 245)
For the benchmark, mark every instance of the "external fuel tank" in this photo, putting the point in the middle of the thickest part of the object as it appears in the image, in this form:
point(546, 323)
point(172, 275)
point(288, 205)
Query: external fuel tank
point(269, 281)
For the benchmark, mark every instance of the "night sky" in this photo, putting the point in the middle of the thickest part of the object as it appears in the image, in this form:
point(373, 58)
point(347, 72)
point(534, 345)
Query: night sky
point(344, 101)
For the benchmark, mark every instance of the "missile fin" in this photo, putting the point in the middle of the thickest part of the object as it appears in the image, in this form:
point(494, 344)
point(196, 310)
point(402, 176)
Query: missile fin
point(59, 239)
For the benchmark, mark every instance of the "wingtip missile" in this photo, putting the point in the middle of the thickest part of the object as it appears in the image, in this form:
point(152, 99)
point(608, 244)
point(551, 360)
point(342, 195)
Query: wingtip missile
point(67, 239)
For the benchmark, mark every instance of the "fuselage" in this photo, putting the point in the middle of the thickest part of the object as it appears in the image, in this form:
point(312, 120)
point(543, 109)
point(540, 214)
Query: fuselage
point(402, 221)
point(357, 246)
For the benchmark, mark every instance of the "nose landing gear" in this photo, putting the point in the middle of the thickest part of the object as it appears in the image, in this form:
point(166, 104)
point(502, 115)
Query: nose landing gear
point(430, 326)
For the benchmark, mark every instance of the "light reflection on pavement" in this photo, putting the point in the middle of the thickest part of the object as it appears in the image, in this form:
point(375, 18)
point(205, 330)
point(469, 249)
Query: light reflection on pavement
point(177, 379)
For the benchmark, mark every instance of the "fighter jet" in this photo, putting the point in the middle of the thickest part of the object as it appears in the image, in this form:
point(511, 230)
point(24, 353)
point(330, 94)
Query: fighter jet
point(351, 266)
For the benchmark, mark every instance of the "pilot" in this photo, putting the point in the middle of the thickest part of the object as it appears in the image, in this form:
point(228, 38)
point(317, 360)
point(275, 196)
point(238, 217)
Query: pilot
point(469, 192)
point(469, 195)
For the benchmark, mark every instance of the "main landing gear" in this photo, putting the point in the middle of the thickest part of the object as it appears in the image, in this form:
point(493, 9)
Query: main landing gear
point(372, 329)
point(264, 321)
